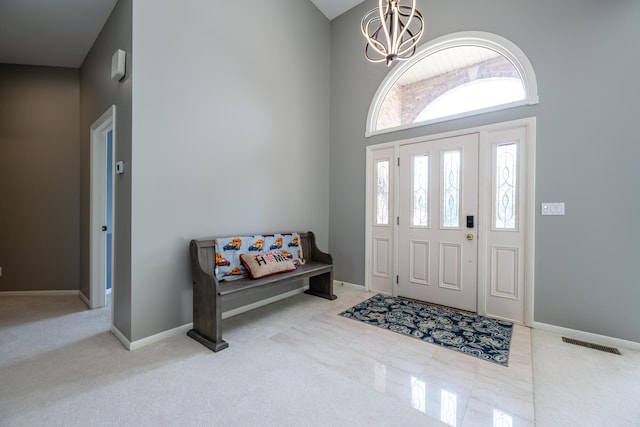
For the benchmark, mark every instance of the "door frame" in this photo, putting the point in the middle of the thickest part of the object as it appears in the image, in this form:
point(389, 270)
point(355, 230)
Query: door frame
point(97, 194)
point(484, 208)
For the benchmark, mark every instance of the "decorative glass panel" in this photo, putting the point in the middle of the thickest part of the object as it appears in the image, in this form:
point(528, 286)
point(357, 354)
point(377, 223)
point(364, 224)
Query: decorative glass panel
point(420, 191)
point(451, 189)
point(382, 193)
point(506, 190)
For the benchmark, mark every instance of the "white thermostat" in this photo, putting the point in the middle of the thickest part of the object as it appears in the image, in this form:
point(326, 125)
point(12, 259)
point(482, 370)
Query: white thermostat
point(118, 65)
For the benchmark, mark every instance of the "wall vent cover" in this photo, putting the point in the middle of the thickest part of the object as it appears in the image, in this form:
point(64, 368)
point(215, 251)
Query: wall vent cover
point(604, 348)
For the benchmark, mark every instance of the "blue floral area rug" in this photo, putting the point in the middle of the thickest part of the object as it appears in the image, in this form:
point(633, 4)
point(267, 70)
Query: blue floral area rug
point(478, 336)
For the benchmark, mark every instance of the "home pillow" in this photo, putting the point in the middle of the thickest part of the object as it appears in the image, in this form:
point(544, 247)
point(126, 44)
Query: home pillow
point(266, 264)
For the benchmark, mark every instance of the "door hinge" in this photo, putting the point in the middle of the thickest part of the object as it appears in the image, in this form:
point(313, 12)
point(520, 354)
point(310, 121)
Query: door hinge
point(398, 161)
point(398, 220)
point(397, 280)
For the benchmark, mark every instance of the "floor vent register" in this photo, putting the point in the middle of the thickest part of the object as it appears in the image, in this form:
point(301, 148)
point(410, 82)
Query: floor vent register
point(604, 348)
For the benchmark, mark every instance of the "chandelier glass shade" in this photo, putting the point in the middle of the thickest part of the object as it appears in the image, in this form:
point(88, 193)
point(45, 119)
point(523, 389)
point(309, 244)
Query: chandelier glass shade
point(392, 31)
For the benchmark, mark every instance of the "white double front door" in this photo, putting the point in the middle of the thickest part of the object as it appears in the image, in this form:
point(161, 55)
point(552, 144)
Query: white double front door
point(437, 221)
point(450, 219)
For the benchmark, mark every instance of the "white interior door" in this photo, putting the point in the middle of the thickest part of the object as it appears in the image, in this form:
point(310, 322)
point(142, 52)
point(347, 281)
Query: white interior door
point(438, 219)
point(99, 172)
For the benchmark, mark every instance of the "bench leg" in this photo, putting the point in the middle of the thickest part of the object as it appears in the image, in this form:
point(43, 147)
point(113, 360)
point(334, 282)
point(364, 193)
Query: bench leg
point(321, 286)
point(210, 344)
point(207, 315)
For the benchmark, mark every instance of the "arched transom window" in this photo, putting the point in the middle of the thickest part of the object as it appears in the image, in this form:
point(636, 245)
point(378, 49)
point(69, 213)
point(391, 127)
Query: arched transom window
point(454, 76)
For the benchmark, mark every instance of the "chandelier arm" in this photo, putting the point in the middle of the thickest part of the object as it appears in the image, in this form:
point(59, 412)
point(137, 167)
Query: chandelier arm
point(371, 59)
point(412, 10)
point(410, 43)
point(384, 13)
point(366, 21)
point(404, 27)
point(406, 54)
point(374, 44)
point(369, 55)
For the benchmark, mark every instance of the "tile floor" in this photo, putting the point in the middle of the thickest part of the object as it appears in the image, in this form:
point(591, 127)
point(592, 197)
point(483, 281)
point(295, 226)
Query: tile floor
point(443, 385)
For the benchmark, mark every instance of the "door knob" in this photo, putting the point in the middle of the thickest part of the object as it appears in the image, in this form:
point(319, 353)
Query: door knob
point(104, 228)
point(470, 236)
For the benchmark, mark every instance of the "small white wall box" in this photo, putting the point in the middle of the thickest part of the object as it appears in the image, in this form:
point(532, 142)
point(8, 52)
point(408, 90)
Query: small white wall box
point(118, 65)
point(120, 167)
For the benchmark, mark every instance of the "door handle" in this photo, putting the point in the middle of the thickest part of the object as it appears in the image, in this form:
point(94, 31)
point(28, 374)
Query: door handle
point(104, 228)
point(470, 236)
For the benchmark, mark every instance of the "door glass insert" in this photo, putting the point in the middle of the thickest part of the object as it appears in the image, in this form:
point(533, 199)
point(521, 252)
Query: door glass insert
point(451, 189)
point(506, 161)
point(382, 192)
point(420, 190)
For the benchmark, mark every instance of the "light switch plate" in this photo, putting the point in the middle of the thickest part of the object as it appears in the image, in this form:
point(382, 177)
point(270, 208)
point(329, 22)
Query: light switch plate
point(552, 208)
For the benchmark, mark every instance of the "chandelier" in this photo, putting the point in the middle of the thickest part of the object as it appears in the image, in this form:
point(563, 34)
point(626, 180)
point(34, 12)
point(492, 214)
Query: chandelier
point(392, 31)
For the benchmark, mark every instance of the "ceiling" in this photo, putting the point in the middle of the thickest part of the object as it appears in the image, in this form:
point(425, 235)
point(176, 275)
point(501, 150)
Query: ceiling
point(333, 8)
point(59, 33)
point(56, 33)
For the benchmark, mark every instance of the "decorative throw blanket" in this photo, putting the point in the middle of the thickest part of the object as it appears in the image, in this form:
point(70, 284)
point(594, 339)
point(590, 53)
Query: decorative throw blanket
point(228, 250)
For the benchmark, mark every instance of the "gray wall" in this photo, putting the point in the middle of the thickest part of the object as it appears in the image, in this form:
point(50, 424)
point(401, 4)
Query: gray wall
point(230, 135)
point(39, 176)
point(97, 93)
point(586, 60)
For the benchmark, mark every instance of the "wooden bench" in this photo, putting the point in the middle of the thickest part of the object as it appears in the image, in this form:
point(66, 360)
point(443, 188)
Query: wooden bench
point(209, 293)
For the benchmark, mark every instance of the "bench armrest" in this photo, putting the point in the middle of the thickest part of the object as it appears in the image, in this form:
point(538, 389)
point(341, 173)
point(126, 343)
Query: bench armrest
point(317, 254)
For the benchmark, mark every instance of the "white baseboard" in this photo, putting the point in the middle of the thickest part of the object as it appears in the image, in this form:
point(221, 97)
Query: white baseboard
point(588, 336)
point(135, 345)
point(125, 342)
point(348, 285)
point(68, 293)
point(85, 300)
